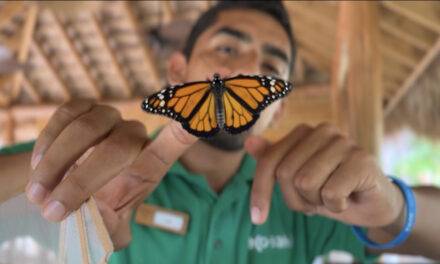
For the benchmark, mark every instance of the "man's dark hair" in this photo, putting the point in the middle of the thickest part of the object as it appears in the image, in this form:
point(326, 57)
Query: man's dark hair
point(273, 8)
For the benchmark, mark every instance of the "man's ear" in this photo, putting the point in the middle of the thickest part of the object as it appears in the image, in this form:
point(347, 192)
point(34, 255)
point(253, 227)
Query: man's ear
point(177, 68)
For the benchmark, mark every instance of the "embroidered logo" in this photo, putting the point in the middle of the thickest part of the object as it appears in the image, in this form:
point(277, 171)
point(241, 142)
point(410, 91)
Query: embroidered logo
point(260, 243)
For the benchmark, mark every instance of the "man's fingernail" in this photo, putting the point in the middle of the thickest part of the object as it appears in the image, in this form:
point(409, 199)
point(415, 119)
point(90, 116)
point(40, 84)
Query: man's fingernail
point(255, 215)
point(54, 211)
point(35, 160)
point(36, 193)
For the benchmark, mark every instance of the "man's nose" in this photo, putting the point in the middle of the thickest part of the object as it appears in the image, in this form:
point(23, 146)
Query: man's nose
point(224, 72)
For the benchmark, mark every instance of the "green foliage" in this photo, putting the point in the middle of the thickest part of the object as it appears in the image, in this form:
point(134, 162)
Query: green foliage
point(421, 164)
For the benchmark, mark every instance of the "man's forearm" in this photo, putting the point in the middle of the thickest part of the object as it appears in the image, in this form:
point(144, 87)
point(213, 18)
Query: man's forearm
point(425, 236)
point(14, 170)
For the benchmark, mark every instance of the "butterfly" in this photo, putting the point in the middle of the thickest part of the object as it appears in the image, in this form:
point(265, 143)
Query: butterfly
point(204, 107)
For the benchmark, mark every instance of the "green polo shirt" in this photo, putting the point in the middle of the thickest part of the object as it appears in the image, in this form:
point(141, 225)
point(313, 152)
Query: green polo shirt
point(220, 229)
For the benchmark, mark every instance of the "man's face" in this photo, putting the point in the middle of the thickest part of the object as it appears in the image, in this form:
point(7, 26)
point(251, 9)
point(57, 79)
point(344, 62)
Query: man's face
point(241, 41)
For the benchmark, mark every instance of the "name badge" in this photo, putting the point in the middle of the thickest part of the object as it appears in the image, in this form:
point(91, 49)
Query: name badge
point(159, 217)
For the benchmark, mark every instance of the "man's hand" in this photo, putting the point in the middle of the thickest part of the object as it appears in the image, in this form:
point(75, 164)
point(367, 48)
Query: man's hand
point(322, 172)
point(87, 149)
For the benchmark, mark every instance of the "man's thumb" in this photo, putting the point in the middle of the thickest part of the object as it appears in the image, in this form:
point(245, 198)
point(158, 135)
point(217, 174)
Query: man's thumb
point(256, 146)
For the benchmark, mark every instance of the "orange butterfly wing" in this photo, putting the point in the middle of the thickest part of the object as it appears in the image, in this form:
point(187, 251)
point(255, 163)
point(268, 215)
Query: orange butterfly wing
point(246, 96)
point(192, 104)
point(237, 117)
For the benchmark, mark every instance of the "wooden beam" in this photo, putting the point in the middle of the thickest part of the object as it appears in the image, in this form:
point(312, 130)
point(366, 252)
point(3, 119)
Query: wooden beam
point(305, 11)
point(356, 77)
point(411, 37)
point(21, 112)
point(396, 70)
point(35, 46)
point(87, 73)
point(9, 128)
point(327, 11)
point(23, 51)
point(389, 89)
point(392, 84)
point(402, 47)
point(10, 84)
point(308, 104)
point(8, 10)
point(167, 12)
point(424, 13)
point(398, 57)
point(130, 109)
point(125, 83)
point(5, 84)
point(387, 79)
point(146, 52)
point(314, 59)
point(315, 42)
point(315, 38)
point(30, 90)
point(409, 82)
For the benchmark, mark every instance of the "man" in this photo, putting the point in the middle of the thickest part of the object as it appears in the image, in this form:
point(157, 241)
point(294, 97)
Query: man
point(296, 200)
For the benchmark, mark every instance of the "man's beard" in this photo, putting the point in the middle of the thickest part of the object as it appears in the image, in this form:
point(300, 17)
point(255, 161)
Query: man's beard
point(227, 142)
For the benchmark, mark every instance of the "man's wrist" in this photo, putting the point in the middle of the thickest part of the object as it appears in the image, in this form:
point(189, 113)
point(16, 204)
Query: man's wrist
point(410, 217)
point(399, 220)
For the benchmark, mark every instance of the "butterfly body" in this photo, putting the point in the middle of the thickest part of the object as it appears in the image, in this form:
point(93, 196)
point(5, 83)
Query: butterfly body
point(218, 90)
point(204, 108)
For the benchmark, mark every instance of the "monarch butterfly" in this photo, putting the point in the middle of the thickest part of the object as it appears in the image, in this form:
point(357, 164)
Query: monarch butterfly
point(205, 107)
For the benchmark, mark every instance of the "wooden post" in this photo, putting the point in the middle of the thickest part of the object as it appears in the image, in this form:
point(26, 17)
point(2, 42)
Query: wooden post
point(356, 76)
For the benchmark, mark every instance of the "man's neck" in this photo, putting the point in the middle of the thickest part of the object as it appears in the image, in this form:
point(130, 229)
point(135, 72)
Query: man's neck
point(218, 166)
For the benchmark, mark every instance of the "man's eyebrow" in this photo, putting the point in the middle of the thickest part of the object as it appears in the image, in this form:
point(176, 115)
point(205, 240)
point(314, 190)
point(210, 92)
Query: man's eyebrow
point(234, 33)
point(274, 51)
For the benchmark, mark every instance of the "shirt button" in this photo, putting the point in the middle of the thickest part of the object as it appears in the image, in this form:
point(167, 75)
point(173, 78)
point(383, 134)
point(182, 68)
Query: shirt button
point(218, 244)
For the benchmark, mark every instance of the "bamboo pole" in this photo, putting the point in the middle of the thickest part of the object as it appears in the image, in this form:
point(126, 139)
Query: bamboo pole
point(356, 76)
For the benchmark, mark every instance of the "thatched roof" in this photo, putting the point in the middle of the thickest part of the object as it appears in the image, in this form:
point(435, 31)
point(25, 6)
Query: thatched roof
point(117, 51)
point(420, 109)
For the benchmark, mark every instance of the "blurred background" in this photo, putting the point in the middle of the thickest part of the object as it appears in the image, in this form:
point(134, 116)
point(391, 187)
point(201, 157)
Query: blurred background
point(371, 68)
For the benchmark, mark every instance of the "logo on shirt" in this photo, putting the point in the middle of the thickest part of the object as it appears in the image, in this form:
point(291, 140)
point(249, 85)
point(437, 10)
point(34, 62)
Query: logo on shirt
point(260, 243)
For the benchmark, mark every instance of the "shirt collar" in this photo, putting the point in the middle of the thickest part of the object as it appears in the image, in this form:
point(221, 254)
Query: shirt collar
point(245, 172)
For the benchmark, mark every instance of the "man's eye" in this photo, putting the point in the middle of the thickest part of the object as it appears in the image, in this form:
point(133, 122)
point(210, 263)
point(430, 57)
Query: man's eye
point(227, 50)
